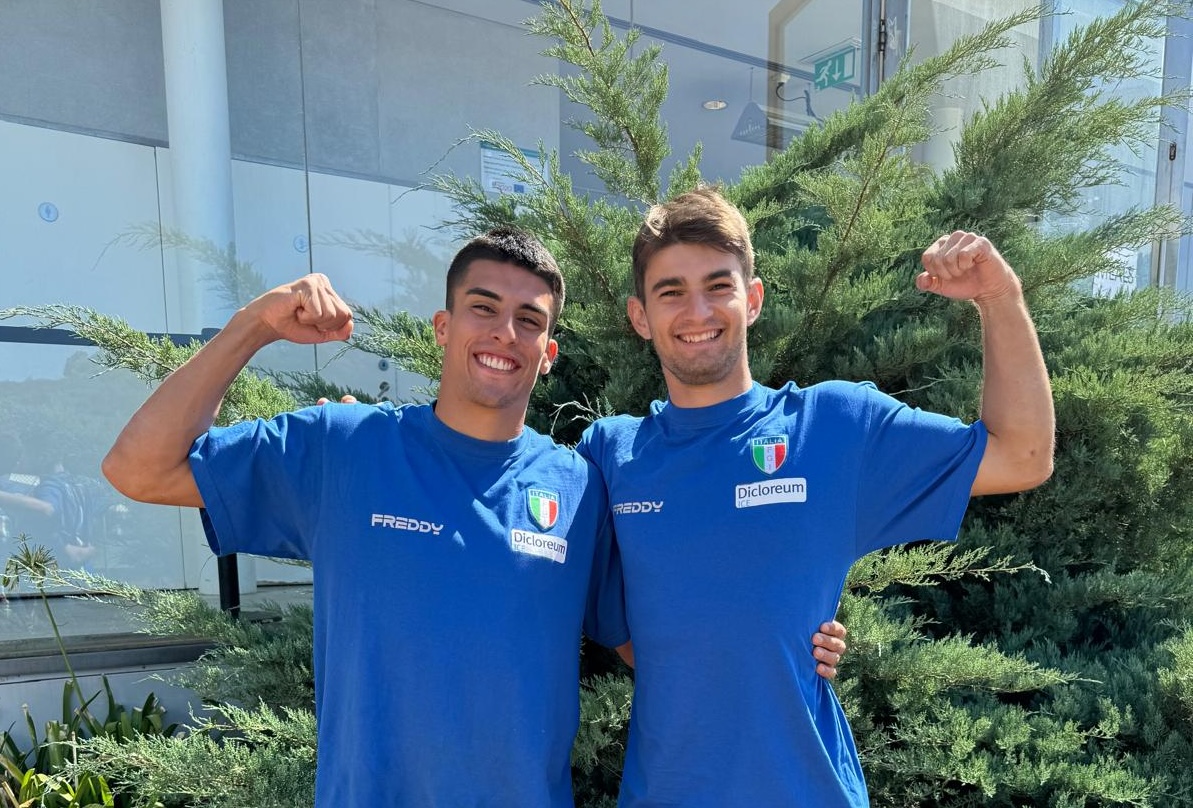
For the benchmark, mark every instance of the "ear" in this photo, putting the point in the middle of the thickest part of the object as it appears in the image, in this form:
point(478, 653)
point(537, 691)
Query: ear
point(440, 321)
point(754, 295)
point(549, 357)
point(637, 314)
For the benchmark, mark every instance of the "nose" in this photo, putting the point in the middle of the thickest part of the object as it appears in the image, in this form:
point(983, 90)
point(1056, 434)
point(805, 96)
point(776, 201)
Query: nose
point(504, 330)
point(699, 306)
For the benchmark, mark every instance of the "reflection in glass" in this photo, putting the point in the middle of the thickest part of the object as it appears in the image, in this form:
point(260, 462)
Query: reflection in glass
point(55, 427)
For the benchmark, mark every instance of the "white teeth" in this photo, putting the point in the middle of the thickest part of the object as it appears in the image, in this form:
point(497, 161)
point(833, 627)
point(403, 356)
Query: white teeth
point(495, 362)
point(703, 337)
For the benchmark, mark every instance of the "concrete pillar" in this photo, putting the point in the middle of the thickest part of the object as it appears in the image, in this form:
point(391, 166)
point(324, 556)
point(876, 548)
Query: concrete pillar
point(201, 172)
point(200, 143)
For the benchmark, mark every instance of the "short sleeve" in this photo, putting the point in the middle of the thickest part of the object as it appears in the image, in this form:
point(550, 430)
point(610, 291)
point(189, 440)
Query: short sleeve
point(917, 470)
point(261, 483)
point(605, 615)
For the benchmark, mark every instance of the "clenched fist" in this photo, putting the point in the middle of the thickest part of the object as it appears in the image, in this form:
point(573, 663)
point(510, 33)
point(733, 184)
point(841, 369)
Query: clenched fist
point(305, 311)
point(966, 266)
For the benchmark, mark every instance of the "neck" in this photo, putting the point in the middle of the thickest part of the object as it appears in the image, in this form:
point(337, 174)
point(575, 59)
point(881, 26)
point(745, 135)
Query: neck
point(690, 396)
point(482, 423)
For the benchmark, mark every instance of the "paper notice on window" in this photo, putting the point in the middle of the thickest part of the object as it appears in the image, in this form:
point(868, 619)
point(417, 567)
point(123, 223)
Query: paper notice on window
point(500, 171)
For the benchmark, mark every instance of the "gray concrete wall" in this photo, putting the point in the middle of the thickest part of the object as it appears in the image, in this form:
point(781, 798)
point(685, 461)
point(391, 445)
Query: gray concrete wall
point(377, 89)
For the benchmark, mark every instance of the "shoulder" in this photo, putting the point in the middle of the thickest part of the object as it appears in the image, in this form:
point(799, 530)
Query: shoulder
point(838, 389)
point(616, 425)
point(565, 466)
point(833, 404)
point(849, 396)
point(351, 417)
point(333, 420)
point(543, 450)
point(605, 434)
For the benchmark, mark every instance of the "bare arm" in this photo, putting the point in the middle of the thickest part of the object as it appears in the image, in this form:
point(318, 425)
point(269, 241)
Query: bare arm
point(149, 461)
point(27, 502)
point(1016, 393)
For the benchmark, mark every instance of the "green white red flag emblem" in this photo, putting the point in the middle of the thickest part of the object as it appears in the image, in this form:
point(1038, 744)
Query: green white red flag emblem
point(544, 507)
point(769, 452)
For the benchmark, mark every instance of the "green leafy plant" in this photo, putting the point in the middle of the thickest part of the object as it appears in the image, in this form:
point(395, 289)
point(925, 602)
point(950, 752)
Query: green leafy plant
point(49, 774)
point(35, 789)
point(36, 564)
point(49, 771)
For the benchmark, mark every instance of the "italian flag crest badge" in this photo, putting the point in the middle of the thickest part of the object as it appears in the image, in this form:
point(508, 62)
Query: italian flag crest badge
point(769, 452)
point(544, 507)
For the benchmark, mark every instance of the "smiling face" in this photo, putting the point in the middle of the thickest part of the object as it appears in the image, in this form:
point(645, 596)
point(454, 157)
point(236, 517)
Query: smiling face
point(696, 307)
point(496, 344)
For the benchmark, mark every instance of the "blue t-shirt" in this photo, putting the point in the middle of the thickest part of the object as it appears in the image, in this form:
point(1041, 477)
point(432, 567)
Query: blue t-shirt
point(736, 525)
point(452, 577)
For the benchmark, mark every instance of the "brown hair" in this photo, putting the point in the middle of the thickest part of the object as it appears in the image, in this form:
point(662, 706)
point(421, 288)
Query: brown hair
point(702, 216)
point(509, 245)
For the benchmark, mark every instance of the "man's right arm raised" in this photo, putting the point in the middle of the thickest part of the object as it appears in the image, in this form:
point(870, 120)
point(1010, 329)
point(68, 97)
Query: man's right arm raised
point(149, 461)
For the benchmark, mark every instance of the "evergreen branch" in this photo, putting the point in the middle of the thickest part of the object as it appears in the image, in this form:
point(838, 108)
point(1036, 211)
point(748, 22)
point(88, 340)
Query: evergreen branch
point(152, 359)
point(1062, 259)
point(953, 663)
point(626, 127)
point(585, 412)
point(257, 757)
point(1053, 138)
point(403, 337)
point(625, 93)
point(925, 565)
point(550, 209)
point(121, 345)
point(844, 131)
point(869, 178)
point(308, 387)
point(579, 241)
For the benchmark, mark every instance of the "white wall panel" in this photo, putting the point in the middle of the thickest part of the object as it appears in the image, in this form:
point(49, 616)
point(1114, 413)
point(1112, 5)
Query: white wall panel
point(99, 189)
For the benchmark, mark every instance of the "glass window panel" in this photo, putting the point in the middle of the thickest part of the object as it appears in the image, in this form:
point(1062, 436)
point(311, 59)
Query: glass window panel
point(67, 199)
point(819, 44)
point(1137, 181)
point(58, 420)
point(1184, 275)
point(933, 27)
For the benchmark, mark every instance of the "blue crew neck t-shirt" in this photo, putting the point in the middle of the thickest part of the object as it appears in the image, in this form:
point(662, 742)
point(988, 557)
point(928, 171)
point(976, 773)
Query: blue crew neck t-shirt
point(452, 577)
point(736, 525)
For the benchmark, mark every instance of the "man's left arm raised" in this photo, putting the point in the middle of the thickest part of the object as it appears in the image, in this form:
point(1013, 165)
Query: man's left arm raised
point(1016, 393)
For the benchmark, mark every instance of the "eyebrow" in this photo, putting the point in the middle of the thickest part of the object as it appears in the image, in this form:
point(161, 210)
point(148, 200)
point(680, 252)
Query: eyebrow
point(675, 280)
point(491, 295)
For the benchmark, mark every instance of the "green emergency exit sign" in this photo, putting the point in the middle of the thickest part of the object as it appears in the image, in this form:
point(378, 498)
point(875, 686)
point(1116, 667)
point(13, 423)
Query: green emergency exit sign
point(834, 69)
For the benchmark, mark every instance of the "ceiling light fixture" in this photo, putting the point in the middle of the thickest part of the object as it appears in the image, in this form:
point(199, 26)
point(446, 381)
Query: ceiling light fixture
point(714, 105)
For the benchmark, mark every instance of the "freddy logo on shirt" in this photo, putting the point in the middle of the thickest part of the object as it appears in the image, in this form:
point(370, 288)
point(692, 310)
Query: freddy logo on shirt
point(413, 524)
